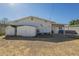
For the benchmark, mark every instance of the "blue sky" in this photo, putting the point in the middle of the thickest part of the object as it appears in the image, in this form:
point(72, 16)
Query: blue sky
point(60, 13)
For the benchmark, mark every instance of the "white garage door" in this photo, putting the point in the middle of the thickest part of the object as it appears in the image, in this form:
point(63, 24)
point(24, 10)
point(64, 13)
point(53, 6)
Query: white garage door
point(26, 31)
point(9, 30)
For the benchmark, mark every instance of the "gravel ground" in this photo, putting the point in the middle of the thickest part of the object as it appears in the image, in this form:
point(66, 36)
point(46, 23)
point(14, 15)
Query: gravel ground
point(13, 46)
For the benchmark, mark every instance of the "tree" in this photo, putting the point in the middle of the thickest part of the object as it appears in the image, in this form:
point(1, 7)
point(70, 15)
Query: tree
point(4, 21)
point(74, 22)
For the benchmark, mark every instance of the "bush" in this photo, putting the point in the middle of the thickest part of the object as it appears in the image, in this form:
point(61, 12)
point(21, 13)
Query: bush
point(1, 33)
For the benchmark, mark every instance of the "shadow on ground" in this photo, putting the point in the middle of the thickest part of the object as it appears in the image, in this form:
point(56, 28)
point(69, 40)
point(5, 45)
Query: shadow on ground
point(48, 38)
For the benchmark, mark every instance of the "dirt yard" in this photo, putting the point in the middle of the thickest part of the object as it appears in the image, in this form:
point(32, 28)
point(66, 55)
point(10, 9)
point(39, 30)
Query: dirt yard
point(38, 46)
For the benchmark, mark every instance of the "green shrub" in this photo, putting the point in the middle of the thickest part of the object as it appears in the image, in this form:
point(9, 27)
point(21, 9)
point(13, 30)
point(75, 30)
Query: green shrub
point(1, 33)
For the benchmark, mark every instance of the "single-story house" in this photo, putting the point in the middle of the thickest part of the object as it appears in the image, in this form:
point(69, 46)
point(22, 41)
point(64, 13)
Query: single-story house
point(32, 26)
point(74, 28)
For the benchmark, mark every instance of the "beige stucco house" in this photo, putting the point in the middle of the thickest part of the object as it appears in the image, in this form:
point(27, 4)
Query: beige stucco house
point(42, 26)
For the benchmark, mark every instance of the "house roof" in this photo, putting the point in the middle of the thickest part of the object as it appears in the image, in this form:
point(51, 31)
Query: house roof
point(20, 19)
point(15, 21)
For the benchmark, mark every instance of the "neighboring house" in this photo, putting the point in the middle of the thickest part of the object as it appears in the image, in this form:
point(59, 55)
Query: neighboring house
point(35, 24)
point(74, 28)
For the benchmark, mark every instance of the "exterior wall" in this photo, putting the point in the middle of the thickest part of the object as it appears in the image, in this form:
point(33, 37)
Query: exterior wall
point(42, 25)
point(26, 31)
point(66, 27)
point(9, 30)
point(72, 28)
point(56, 29)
